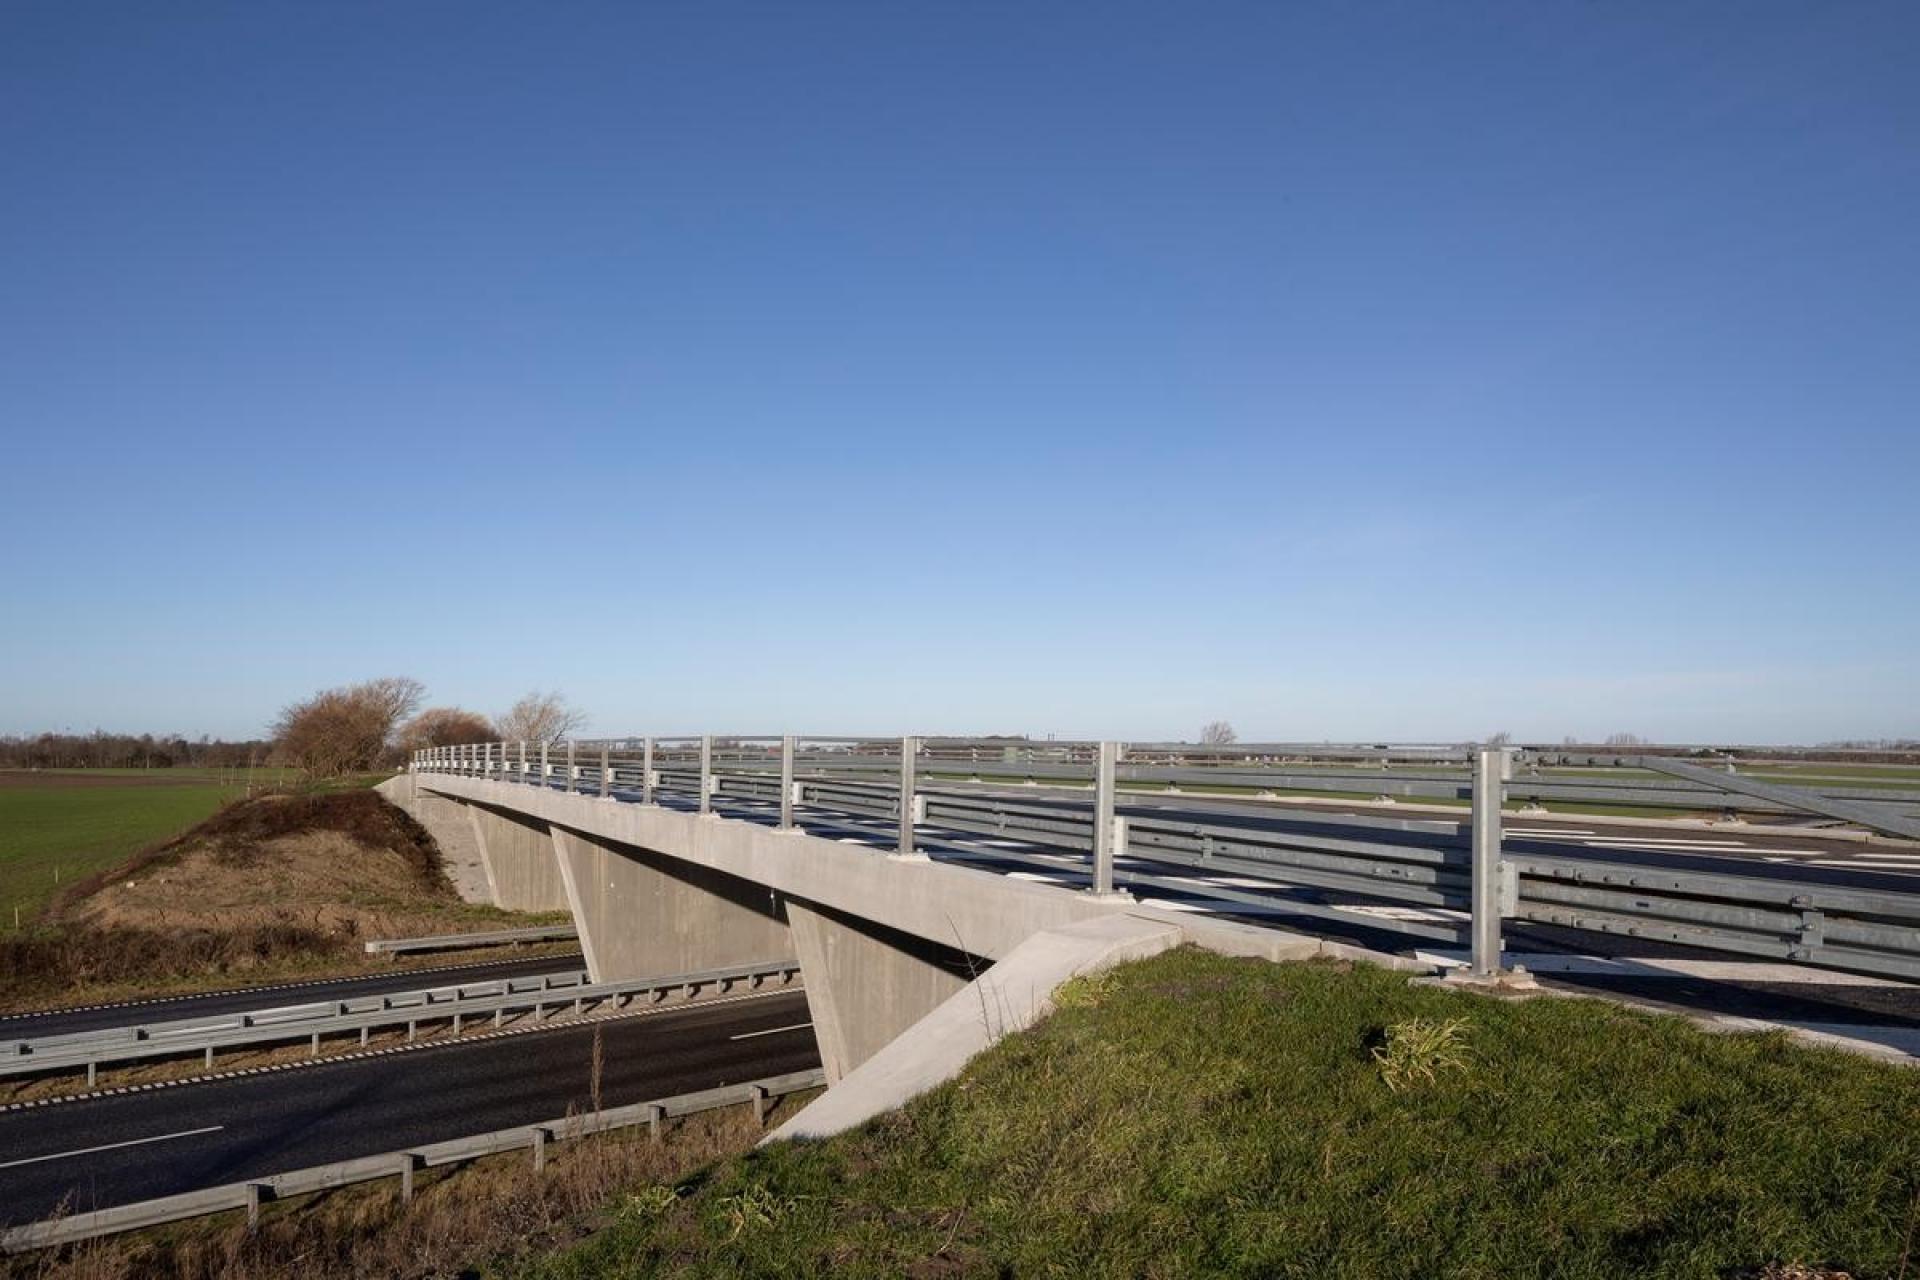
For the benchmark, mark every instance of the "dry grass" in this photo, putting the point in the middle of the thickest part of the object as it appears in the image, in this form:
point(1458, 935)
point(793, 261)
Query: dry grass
point(491, 1212)
point(271, 885)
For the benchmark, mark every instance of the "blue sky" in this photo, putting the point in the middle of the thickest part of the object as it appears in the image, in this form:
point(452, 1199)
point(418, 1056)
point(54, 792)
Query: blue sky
point(1354, 371)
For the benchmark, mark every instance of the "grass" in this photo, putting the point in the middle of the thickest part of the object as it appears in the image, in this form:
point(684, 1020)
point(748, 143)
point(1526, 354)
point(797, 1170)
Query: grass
point(52, 835)
point(1192, 1115)
point(277, 888)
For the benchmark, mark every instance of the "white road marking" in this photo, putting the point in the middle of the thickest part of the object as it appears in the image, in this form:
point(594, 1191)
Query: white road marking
point(1555, 831)
point(1854, 864)
point(113, 1146)
point(771, 1031)
point(1622, 842)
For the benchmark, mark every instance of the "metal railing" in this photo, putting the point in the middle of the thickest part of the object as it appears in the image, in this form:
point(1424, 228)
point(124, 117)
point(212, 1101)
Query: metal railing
point(464, 941)
point(88, 1051)
point(1188, 819)
point(250, 1195)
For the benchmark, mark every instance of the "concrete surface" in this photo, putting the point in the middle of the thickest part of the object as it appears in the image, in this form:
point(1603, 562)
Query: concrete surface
point(522, 868)
point(1017, 992)
point(452, 831)
point(642, 913)
point(866, 984)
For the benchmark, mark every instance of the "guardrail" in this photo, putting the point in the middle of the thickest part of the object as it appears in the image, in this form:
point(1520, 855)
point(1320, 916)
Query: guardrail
point(73, 1052)
point(250, 1195)
point(1155, 807)
point(465, 941)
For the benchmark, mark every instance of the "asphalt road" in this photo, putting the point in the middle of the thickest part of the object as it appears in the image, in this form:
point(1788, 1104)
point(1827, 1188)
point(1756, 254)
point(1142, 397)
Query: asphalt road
point(99, 1152)
point(165, 1009)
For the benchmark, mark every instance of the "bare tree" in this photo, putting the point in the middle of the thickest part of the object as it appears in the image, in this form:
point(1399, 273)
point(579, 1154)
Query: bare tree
point(1625, 740)
point(1218, 733)
point(444, 727)
point(1499, 739)
point(540, 717)
point(345, 730)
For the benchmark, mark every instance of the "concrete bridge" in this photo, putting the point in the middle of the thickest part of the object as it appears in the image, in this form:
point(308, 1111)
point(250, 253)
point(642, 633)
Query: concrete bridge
point(910, 965)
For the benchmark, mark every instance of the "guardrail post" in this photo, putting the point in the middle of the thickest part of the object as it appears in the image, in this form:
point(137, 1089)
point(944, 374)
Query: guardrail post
point(253, 1206)
point(655, 1114)
point(787, 747)
point(909, 751)
point(1105, 766)
point(546, 763)
point(761, 1096)
point(539, 1150)
point(646, 771)
point(408, 1163)
point(706, 773)
point(573, 769)
point(1491, 767)
point(523, 760)
point(606, 771)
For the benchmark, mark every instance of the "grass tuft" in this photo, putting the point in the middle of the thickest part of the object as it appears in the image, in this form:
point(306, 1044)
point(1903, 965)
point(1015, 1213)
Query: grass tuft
point(1418, 1050)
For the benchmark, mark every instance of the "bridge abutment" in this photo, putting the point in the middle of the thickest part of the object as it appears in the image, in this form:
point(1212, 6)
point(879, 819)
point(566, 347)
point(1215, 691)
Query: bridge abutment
point(522, 868)
point(642, 914)
point(867, 983)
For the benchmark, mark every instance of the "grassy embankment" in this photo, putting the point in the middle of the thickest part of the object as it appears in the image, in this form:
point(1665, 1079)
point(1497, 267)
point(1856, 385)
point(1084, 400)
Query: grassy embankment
point(265, 889)
point(1196, 1116)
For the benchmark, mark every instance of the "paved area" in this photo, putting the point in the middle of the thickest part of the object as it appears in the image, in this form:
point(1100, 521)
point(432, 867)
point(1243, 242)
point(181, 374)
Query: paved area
point(103, 1151)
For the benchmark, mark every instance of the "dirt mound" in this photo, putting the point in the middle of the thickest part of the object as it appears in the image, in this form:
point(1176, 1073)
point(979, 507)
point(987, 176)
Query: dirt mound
point(270, 880)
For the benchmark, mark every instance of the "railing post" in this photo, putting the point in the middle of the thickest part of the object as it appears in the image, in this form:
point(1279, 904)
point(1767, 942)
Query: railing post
point(1491, 767)
point(646, 772)
point(706, 773)
point(523, 760)
point(546, 763)
point(909, 750)
point(1103, 820)
point(573, 772)
point(787, 745)
point(606, 771)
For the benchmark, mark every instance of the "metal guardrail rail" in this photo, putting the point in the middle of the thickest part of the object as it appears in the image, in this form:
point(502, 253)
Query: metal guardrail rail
point(1102, 803)
point(464, 941)
point(88, 1051)
point(250, 1195)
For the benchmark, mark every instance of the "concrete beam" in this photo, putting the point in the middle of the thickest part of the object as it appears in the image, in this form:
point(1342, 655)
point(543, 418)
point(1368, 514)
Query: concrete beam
point(866, 983)
point(641, 913)
point(522, 870)
point(1014, 994)
point(977, 912)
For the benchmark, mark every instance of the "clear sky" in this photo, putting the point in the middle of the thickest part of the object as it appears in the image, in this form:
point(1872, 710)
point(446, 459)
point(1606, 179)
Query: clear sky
point(1351, 371)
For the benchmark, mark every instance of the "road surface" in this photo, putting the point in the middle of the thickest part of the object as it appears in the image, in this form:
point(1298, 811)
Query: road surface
point(103, 1151)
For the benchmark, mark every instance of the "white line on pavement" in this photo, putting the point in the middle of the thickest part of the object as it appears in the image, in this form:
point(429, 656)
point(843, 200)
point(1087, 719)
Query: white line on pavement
point(113, 1146)
point(771, 1031)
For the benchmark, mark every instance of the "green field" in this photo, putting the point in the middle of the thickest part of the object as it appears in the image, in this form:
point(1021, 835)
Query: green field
point(60, 826)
